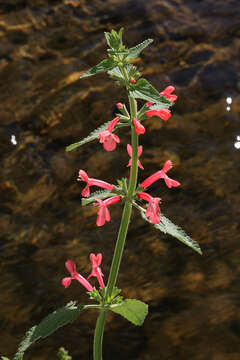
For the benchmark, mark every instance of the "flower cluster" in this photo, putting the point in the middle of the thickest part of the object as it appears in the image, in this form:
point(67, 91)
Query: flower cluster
point(110, 141)
point(96, 271)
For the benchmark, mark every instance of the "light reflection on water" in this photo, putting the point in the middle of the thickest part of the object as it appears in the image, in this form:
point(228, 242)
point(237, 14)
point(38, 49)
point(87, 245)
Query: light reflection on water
point(13, 140)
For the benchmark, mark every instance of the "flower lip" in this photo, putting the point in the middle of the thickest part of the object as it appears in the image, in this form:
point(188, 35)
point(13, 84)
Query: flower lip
point(129, 150)
point(96, 270)
point(153, 209)
point(161, 174)
point(71, 267)
point(82, 176)
point(167, 93)
point(164, 114)
point(103, 214)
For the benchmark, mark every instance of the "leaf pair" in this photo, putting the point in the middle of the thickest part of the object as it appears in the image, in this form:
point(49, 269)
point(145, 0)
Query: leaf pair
point(133, 310)
point(109, 64)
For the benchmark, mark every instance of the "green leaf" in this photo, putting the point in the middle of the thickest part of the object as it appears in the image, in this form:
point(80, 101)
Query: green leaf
point(47, 326)
point(24, 345)
point(102, 194)
point(97, 195)
point(144, 90)
point(92, 136)
point(135, 51)
point(104, 65)
point(115, 73)
point(120, 34)
point(114, 39)
point(157, 107)
point(133, 310)
point(4, 358)
point(168, 227)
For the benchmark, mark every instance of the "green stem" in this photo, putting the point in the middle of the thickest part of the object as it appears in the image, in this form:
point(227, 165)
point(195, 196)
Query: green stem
point(117, 256)
point(98, 335)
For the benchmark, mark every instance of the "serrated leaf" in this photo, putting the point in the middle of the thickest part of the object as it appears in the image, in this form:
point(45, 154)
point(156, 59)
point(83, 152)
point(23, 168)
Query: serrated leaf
point(104, 65)
point(97, 195)
point(136, 50)
point(116, 73)
point(133, 310)
point(170, 228)
point(144, 90)
point(92, 136)
point(47, 326)
point(157, 107)
point(108, 38)
point(25, 343)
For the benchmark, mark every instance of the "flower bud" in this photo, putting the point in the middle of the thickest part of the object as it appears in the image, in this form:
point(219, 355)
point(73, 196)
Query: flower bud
point(119, 105)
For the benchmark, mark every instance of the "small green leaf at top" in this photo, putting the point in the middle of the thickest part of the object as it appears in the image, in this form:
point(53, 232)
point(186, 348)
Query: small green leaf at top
point(136, 50)
point(104, 65)
point(144, 90)
point(114, 39)
point(48, 325)
point(133, 310)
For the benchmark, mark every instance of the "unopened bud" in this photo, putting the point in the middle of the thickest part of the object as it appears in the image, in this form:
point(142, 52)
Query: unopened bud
point(119, 105)
point(132, 80)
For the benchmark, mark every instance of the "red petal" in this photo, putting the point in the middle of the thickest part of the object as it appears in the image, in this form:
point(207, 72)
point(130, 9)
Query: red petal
point(70, 266)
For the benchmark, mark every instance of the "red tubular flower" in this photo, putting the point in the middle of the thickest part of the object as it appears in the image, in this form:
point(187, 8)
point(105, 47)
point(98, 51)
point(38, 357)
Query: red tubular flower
point(82, 176)
point(103, 212)
point(161, 174)
point(96, 271)
point(164, 114)
point(71, 267)
point(139, 128)
point(153, 209)
point(108, 139)
point(167, 93)
point(129, 150)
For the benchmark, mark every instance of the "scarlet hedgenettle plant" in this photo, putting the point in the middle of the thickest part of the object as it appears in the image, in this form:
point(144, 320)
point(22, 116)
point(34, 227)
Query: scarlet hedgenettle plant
point(128, 192)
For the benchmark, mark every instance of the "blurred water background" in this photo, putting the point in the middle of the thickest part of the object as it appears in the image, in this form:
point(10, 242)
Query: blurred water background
point(44, 106)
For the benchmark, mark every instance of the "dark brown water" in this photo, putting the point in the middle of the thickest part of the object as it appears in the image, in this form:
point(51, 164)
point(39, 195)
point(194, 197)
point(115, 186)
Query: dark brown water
point(194, 301)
